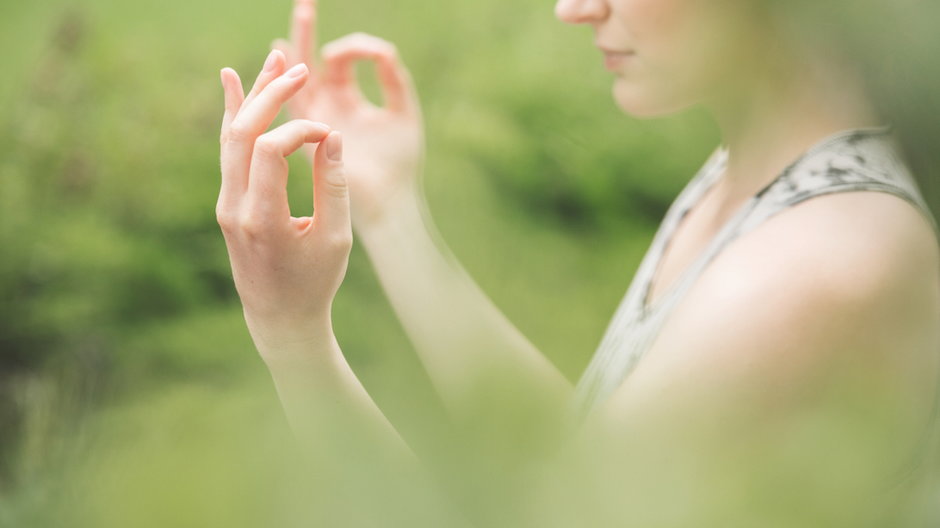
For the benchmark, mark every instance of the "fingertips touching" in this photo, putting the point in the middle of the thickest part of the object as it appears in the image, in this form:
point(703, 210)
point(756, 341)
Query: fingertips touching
point(339, 63)
point(287, 138)
point(328, 166)
point(267, 192)
point(330, 192)
point(334, 146)
point(397, 87)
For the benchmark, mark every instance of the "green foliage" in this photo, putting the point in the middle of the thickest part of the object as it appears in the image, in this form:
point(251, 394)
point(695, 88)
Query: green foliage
point(128, 383)
point(109, 175)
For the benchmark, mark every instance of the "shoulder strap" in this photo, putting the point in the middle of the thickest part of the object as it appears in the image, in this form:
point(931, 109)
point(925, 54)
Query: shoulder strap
point(627, 334)
point(861, 161)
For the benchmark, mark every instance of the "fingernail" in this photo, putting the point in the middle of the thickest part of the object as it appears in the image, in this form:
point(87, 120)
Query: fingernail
point(334, 146)
point(269, 62)
point(297, 70)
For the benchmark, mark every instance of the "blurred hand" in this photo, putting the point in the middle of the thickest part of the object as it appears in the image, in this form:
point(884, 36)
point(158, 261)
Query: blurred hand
point(287, 270)
point(384, 145)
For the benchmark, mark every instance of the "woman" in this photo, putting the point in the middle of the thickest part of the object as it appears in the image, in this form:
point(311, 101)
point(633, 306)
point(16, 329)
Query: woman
point(800, 250)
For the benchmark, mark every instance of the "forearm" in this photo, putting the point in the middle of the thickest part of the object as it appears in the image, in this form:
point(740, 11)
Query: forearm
point(456, 329)
point(318, 389)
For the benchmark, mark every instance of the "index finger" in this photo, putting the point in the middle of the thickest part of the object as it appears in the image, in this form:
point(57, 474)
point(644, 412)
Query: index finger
point(304, 32)
point(266, 198)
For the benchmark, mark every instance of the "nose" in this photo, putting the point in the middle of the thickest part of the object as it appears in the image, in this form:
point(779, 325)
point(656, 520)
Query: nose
point(581, 11)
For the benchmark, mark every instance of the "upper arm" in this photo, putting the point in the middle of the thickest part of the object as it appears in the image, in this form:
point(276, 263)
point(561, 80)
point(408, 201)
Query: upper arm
point(815, 297)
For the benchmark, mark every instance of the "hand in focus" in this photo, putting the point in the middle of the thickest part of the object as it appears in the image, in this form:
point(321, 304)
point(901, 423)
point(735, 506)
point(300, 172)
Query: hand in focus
point(384, 146)
point(286, 269)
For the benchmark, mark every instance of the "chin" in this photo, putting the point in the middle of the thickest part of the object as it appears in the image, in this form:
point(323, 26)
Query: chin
point(643, 102)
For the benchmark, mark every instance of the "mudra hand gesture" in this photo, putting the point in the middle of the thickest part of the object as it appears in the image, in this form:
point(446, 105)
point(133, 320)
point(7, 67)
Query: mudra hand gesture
point(286, 269)
point(384, 146)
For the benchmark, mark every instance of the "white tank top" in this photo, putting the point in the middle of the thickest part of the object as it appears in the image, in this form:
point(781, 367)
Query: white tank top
point(852, 160)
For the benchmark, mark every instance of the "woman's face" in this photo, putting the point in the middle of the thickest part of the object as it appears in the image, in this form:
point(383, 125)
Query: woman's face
point(667, 55)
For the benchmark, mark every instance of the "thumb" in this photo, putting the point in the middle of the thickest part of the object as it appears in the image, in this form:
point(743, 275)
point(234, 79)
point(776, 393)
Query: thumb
point(330, 192)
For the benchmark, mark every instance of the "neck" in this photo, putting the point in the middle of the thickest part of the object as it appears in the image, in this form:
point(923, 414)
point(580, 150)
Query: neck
point(774, 116)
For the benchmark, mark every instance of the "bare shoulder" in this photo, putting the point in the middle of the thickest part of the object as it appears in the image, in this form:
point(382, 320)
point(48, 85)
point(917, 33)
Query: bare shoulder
point(862, 262)
point(844, 278)
point(830, 306)
point(833, 252)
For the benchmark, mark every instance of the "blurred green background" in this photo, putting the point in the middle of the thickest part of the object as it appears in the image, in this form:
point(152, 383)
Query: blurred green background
point(129, 388)
point(116, 289)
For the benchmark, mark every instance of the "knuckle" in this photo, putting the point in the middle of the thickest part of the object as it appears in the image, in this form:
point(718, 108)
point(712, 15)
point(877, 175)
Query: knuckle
point(335, 45)
point(341, 241)
point(329, 52)
point(224, 219)
point(336, 189)
point(238, 132)
point(251, 224)
point(390, 48)
point(267, 146)
point(379, 43)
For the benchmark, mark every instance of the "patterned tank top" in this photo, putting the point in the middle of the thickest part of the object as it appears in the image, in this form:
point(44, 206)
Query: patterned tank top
point(853, 160)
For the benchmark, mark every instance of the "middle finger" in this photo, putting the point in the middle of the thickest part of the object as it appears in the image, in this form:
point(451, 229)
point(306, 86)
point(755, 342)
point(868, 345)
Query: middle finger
point(304, 33)
point(273, 68)
point(253, 119)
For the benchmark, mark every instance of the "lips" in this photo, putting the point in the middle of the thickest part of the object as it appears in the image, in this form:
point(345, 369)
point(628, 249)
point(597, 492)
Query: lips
point(615, 60)
point(620, 55)
point(617, 52)
point(613, 51)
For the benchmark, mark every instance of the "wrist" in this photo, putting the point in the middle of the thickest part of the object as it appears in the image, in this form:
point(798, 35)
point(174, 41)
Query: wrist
point(285, 340)
point(404, 214)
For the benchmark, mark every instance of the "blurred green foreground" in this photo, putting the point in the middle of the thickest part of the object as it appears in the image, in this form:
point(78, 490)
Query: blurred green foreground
point(130, 392)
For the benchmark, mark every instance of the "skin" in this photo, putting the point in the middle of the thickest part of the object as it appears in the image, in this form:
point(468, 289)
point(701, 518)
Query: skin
point(287, 269)
point(780, 307)
point(279, 260)
point(458, 332)
point(815, 297)
point(385, 145)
